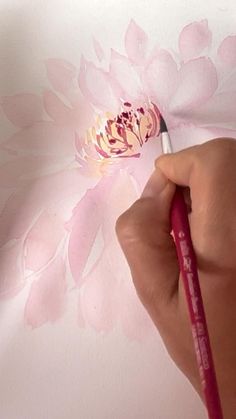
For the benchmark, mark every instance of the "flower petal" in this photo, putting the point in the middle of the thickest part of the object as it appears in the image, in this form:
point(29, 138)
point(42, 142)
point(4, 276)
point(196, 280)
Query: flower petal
point(193, 39)
point(227, 51)
point(47, 299)
point(136, 324)
point(11, 269)
point(219, 110)
point(197, 82)
point(136, 42)
point(95, 86)
point(43, 138)
point(141, 169)
point(85, 223)
point(98, 50)
point(122, 196)
point(42, 240)
point(98, 297)
point(125, 80)
point(25, 205)
point(56, 109)
point(61, 74)
point(160, 77)
point(14, 172)
point(78, 117)
point(188, 135)
point(23, 110)
point(228, 83)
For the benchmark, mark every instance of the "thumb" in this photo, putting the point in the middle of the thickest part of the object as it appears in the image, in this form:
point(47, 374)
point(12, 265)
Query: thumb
point(144, 234)
point(180, 167)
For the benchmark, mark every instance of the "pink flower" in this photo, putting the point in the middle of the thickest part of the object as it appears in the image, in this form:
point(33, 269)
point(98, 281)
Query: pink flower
point(123, 135)
point(81, 155)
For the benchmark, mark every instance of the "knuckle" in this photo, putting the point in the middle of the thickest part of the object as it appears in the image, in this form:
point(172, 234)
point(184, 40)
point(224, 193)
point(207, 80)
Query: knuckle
point(130, 226)
point(126, 225)
point(154, 298)
point(220, 150)
point(122, 225)
point(147, 297)
point(214, 160)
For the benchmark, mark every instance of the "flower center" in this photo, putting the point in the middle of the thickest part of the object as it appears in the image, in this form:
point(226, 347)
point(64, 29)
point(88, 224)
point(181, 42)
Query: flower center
point(124, 134)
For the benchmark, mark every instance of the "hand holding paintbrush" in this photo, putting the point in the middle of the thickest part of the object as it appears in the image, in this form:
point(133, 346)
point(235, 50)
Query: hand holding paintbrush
point(144, 232)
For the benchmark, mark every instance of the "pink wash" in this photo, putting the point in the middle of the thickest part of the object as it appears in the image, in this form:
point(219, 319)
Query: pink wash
point(48, 229)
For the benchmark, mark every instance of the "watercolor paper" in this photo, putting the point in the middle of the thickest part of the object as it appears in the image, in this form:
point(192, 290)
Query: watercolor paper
point(80, 85)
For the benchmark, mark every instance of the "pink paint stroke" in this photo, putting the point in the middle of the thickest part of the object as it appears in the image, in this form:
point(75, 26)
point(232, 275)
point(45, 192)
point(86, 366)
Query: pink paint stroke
point(47, 298)
point(86, 220)
point(98, 50)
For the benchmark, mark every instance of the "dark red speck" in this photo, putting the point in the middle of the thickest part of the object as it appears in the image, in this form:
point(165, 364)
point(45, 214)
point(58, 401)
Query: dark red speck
point(125, 115)
point(120, 131)
point(127, 104)
point(112, 141)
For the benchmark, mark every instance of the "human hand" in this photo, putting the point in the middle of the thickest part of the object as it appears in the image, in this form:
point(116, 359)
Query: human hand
point(208, 173)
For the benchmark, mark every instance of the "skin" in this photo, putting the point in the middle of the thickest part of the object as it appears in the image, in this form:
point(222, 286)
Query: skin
point(207, 174)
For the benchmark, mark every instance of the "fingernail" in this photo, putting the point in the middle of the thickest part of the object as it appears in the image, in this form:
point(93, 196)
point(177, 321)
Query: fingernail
point(155, 185)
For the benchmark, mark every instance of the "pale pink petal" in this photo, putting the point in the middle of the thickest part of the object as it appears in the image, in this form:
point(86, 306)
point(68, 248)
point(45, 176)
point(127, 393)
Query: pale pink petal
point(141, 169)
point(43, 138)
point(56, 109)
point(136, 323)
point(42, 240)
point(220, 132)
point(79, 117)
point(187, 135)
point(24, 206)
point(193, 39)
point(17, 215)
point(121, 70)
point(4, 196)
point(11, 269)
point(16, 171)
point(98, 50)
point(82, 116)
point(122, 195)
point(95, 86)
point(197, 82)
point(98, 297)
point(227, 51)
point(161, 76)
point(85, 223)
point(80, 318)
point(136, 42)
point(228, 82)
point(108, 295)
point(61, 74)
point(47, 297)
point(219, 110)
point(23, 110)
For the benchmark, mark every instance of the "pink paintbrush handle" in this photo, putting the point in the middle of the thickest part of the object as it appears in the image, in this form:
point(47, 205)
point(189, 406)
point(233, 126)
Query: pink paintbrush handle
point(188, 268)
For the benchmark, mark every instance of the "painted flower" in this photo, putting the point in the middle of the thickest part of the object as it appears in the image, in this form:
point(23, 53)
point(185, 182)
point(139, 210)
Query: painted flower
point(124, 134)
point(80, 156)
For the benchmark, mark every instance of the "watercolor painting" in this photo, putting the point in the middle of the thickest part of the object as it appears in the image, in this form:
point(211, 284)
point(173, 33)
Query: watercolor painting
point(97, 126)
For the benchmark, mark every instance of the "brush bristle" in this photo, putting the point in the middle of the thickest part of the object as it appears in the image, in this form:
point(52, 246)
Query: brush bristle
point(163, 127)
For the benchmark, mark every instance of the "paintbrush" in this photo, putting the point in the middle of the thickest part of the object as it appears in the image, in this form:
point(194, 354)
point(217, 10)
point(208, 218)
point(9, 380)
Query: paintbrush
point(189, 274)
